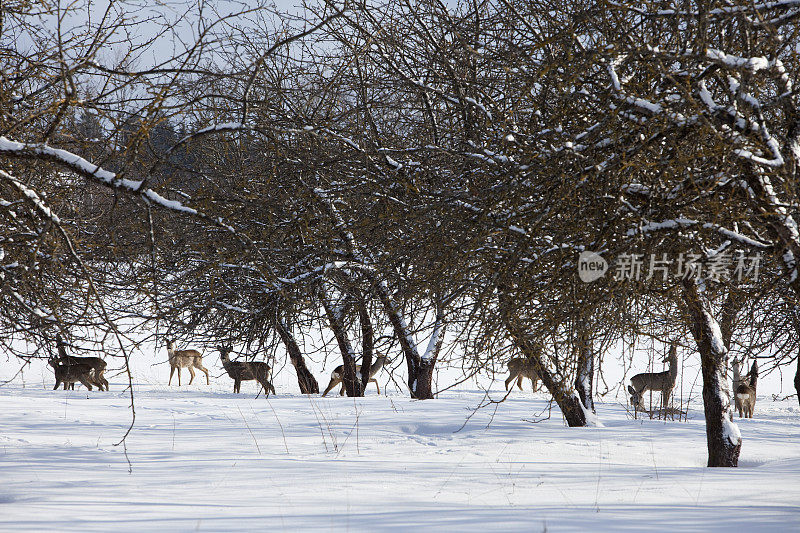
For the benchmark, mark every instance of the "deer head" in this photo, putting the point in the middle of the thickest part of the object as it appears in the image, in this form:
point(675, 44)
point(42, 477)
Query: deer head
point(224, 351)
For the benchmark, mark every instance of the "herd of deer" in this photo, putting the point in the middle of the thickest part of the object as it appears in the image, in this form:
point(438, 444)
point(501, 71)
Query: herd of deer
point(89, 371)
point(744, 387)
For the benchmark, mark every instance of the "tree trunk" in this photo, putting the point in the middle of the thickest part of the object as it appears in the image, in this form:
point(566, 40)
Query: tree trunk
point(414, 363)
point(569, 402)
point(351, 382)
point(407, 344)
point(797, 379)
point(305, 379)
point(424, 380)
point(367, 340)
point(722, 435)
point(422, 384)
point(584, 377)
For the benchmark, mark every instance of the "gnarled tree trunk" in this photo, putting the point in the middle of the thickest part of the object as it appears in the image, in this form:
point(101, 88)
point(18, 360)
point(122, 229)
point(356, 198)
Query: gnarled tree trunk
point(584, 377)
point(722, 435)
point(367, 340)
point(420, 369)
point(352, 383)
point(797, 379)
point(569, 402)
point(305, 379)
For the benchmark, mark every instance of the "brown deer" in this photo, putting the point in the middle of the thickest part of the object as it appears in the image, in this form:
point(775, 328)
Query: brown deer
point(245, 371)
point(520, 368)
point(190, 359)
point(655, 381)
point(68, 374)
point(338, 374)
point(746, 394)
point(98, 365)
point(738, 379)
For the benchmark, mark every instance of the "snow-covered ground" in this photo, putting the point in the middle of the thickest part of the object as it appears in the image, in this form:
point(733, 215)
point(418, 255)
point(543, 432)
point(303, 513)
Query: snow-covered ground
point(204, 459)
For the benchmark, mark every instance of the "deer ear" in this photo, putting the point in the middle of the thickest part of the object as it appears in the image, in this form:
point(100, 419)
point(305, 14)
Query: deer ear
point(631, 390)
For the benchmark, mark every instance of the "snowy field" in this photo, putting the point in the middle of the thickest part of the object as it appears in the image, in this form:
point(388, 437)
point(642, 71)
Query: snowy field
point(204, 459)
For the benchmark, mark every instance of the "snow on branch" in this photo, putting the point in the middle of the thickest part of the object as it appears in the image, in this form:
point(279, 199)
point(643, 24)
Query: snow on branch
point(214, 128)
point(717, 12)
point(32, 196)
point(679, 223)
point(753, 64)
point(435, 341)
point(91, 171)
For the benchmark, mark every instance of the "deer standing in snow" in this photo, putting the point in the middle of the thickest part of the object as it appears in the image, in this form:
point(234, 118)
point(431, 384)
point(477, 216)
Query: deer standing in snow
point(70, 373)
point(190, 359)
point(97, 365)
point(245, 371)
point(738, 379)
point(338, 374)
point(745, 393)
point(520, 368)
point(655, 381)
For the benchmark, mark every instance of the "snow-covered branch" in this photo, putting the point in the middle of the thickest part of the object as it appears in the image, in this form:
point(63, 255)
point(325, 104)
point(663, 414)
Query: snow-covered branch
point(89, 170)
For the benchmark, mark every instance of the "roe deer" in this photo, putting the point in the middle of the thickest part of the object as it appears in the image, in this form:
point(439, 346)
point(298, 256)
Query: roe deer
point(97, 364)
point(190, 359)
point(655, 381)
point(746, 394)
point(68, 374)
point(245, 370)
point(338, 374)
point(520, 368)
point(738, 379)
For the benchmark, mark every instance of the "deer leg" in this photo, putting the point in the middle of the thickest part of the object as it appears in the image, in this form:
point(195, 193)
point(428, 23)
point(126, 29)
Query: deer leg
point(57, 384)
point(171, 371)
point(268, 386)
point(179, 376)
point(85, 383)
point(341, 391)
point(101, 380)
point(204, 369)
point(535, 384)
point(191, 374)
point(509, 380)
point(331, 385)
point(636, 399)
point(519, 381)
point(375, 381)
